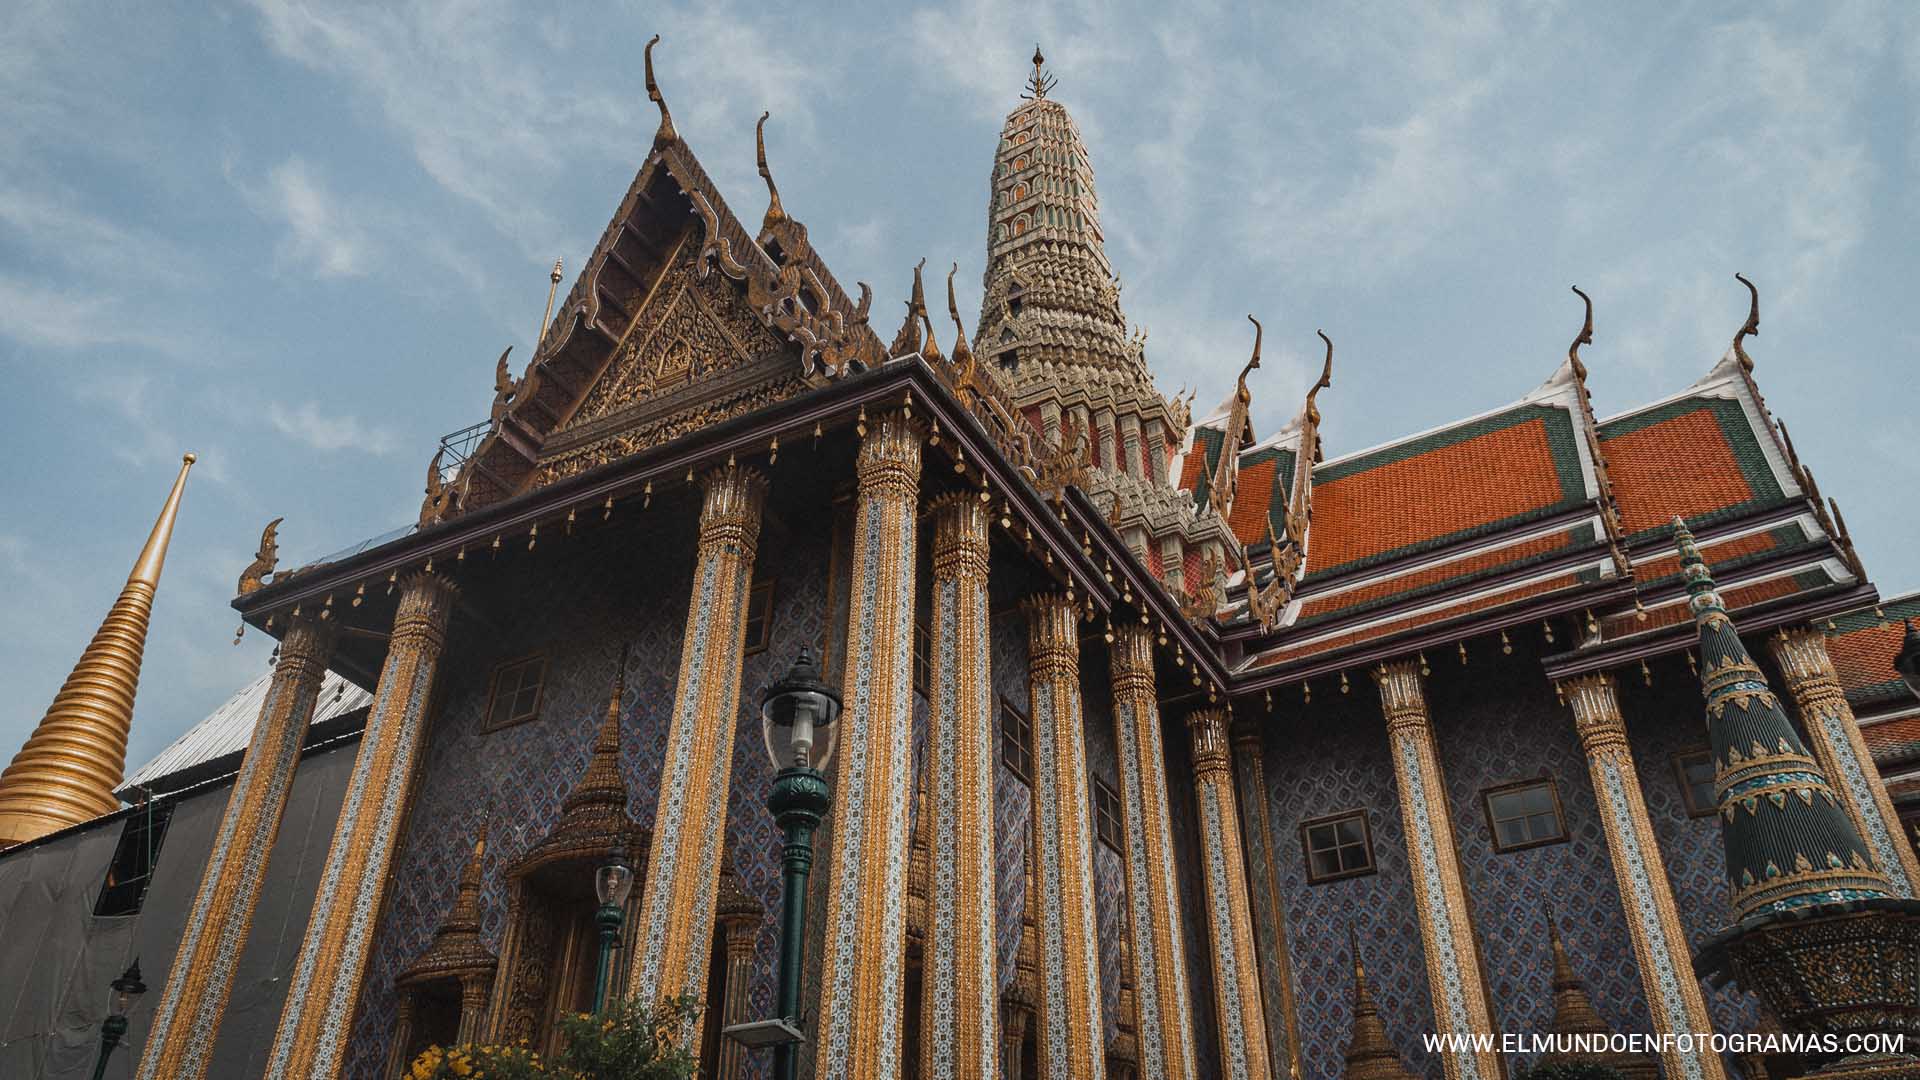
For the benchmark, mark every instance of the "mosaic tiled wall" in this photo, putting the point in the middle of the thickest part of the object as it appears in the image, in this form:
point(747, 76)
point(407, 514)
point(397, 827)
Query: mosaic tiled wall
point(1109, 870)
point(1193, 900)
point(1663, 720)
point(1496, 721)
point(578, 606)
point(1012, 800)
point(1327, 757)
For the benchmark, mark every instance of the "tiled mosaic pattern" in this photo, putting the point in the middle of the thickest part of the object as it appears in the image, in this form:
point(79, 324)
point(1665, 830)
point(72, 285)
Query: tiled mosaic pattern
point(1109, 869)
point(1663, 720)
point(1326, 757)
point(1012, 800)
point(599, 591)
point(1523, 733)
point(1184, 812)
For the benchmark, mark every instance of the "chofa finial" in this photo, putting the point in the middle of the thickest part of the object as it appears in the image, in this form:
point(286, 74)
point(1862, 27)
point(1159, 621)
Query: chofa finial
point(1259, 332)
point(665, 134)
point(1326, 379)
point(775, 212)
point(962, 355)
point(1039, 82)
point(1751, 326)
point(1585, 337)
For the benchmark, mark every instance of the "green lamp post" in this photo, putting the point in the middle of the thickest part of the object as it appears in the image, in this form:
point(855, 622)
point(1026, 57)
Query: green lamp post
point(126, 990)
point(611, 883)
point(797, 717)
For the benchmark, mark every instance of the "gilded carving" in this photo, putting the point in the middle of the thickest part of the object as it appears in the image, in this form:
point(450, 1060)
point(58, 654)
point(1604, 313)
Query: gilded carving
point(254, 576)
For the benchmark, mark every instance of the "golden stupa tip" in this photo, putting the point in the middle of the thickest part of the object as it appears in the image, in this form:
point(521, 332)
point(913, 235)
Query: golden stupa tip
point(189, 457)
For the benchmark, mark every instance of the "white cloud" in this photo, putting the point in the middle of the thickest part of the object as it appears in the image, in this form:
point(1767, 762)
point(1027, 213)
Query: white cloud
point(322, 233)
point(320, 431)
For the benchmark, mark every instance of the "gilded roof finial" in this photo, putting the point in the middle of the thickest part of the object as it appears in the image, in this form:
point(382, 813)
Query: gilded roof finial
point(1039, 82)
point(66, 772)
point(1259, 332)
point(1585, 337)
point(962, 355)
point(1326, 380)
point(254, 576)
point(775, 212)
point(546, 317)
point(1751, 326)
point(665, 134)
point(907, 341)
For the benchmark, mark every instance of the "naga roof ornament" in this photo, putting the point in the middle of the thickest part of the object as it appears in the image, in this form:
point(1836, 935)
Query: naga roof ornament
point(1789, 844)
point(264, 560)
point(1226, 474)
point(1590, 428)
point(665, 133)
point(1750, 328)
point(908, 340)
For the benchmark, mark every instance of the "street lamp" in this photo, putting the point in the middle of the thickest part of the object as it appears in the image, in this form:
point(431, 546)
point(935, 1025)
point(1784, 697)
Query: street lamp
point(796, 719)
point(126, 990)
point(1908, 662)
point(611, 883)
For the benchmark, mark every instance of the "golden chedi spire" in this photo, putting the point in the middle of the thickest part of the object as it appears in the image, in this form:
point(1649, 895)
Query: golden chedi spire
point(66, 772)
point(1369, 1055)
point(1574, 1015)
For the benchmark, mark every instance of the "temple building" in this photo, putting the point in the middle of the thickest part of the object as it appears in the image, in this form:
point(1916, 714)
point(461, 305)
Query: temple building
point(1168, 748)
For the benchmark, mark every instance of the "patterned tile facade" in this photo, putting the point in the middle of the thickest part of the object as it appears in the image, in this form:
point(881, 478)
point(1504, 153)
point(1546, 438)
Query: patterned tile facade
point(1109, 870)
point(1185, 814)
point(598, 592)
point(1327, 757)
point(1523, 733)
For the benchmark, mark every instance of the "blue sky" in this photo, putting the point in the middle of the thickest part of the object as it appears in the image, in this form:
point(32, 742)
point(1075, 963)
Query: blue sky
point(294, 237)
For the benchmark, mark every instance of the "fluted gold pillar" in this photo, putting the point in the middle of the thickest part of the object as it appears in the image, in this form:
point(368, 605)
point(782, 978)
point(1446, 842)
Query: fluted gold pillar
point(960, 987)
point(1660, 945)
point(1236, 968)
point(66, 772)
point(672, 940)
point(1446, 932)
point(1153, 901)
point(741, 935)
point(1801, 652)
point(1269, 914)
point(180, 1041)
point(863, 956)
point(1072, 1032)
point(325, 986)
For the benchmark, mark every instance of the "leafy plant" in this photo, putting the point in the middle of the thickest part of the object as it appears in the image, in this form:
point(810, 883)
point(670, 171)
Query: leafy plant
point(629, 1041)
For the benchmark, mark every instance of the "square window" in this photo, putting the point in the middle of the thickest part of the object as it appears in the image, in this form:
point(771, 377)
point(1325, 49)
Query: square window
point(515, 697)
point(1694, 770)
point(1106, 814)
point(1337, 846)
point(1016, 741)
point(1524, 814)
point(759, 631)
point(133, 859)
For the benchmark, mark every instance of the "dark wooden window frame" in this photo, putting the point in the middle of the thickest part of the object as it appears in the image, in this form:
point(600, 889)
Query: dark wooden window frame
point(135, 855)
point(758, 643)
point(1487, 795)
point(487, 724)
point(1106, 815)
point(1686, 787)
point(1021, 739)
point(1307, 849)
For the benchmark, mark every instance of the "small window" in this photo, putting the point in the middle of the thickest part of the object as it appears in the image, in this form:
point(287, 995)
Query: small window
point(1694, 770)
point(1016, 741)
point(1106, 814)
point(133, 859)
point(1337, 846)
point(1524, 815)
point(516, 692)
point(759, 633)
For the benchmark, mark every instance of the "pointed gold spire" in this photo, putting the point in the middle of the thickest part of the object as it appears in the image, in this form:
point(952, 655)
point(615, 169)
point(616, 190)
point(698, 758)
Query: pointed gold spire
point(66, 772)
point(1370, 1056)
point(1574, 1015)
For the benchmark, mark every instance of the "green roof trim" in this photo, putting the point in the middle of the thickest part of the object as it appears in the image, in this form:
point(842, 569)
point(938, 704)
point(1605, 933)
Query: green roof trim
point(1787, 539)
point(1583, 535)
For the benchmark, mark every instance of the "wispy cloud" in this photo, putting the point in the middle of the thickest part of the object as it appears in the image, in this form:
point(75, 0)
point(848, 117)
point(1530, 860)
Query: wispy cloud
point(322, 232)
point(317, 430)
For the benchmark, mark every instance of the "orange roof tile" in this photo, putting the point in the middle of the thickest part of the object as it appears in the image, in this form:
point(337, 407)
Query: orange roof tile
point(1693, 458)
point(1452, 572)
point(1893, 741)
point(1251, 500)
point(1410, 622)
point(1458, 482)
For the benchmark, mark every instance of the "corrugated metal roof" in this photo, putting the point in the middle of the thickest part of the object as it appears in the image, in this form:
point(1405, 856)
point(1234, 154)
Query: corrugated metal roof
point(229, 728)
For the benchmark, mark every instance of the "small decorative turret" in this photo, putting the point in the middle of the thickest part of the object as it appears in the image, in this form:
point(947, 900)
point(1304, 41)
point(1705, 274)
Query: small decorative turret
point(1574, 1015)
point(1789, 844)
point(1369, 1055)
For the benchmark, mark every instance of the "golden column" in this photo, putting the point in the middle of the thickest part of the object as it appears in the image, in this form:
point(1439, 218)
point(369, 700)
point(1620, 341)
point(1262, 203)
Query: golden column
point(66, 772)
point(960, 978)
point(1653, 922)
point(1071, 1033)
point(741, 917)
point(863, 955)
point(325, 985)
point(180, 1041)
point(1236, 968)
point(675, 930)
point(1453, 958)
point(1801, 652)
point(1153, 902)
point(1269, 914)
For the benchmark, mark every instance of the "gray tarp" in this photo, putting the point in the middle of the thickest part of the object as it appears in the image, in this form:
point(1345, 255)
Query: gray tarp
point(57, 958)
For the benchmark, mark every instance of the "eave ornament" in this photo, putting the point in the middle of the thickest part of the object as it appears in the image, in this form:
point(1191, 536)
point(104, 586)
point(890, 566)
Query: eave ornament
point(253, 578)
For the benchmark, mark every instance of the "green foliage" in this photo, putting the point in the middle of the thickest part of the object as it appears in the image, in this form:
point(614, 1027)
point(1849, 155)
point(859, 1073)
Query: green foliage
point(1571, 1070)
point(626, 1042)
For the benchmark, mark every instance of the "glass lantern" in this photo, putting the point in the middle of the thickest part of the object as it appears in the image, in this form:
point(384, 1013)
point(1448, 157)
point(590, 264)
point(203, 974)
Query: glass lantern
point(797, 717)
